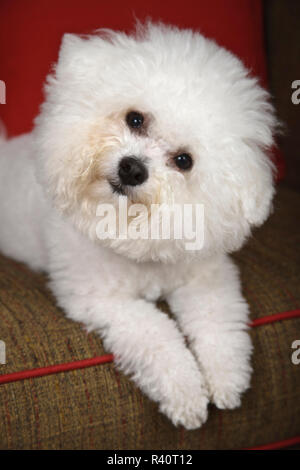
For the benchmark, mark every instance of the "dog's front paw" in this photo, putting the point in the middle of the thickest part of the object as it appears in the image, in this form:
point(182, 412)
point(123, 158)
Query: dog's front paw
point(227, 388)
point(187, 406)
point(226, 367)
point(226, 398)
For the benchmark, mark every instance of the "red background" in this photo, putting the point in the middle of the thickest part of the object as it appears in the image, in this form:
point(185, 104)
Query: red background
point(31, 32)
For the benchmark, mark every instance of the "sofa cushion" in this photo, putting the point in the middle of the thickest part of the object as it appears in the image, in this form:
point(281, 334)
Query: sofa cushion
point(99, 408)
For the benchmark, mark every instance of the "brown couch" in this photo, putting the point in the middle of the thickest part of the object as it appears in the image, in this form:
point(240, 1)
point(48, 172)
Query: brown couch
point(99, 408)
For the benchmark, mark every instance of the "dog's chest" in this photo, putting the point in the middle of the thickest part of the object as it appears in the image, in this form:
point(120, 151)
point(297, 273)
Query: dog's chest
point(156, 282)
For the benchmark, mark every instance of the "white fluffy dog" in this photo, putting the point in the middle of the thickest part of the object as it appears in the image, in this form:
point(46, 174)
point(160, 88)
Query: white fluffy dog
point(162, 116)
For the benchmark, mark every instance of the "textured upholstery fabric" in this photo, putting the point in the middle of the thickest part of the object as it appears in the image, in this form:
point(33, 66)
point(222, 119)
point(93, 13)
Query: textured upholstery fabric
point(99, 408)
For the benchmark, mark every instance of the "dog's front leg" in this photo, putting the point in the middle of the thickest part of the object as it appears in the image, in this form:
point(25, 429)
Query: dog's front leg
point(213, 314)
point(146, 343)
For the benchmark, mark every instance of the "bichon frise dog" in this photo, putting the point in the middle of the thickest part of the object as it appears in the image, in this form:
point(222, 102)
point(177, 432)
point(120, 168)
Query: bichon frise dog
point(161, 117)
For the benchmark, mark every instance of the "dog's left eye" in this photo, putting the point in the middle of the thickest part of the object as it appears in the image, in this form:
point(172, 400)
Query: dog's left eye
point(183, 161)
point(134, 119)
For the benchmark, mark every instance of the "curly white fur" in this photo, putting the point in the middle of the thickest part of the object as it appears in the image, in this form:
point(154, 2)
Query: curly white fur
point(197, 97)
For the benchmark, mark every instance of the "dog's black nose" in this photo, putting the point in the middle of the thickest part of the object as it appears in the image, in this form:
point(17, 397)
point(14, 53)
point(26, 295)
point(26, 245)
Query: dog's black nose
point(132, 171)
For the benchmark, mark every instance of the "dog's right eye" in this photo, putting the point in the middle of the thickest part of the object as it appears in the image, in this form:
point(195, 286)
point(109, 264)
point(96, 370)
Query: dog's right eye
point(134, 120)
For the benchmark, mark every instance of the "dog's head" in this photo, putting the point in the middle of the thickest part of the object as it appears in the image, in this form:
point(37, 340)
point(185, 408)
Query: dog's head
point(163, 116)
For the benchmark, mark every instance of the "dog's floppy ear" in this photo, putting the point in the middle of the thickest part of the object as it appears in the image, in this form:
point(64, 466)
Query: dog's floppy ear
point(252, 153)
point(256, 185)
